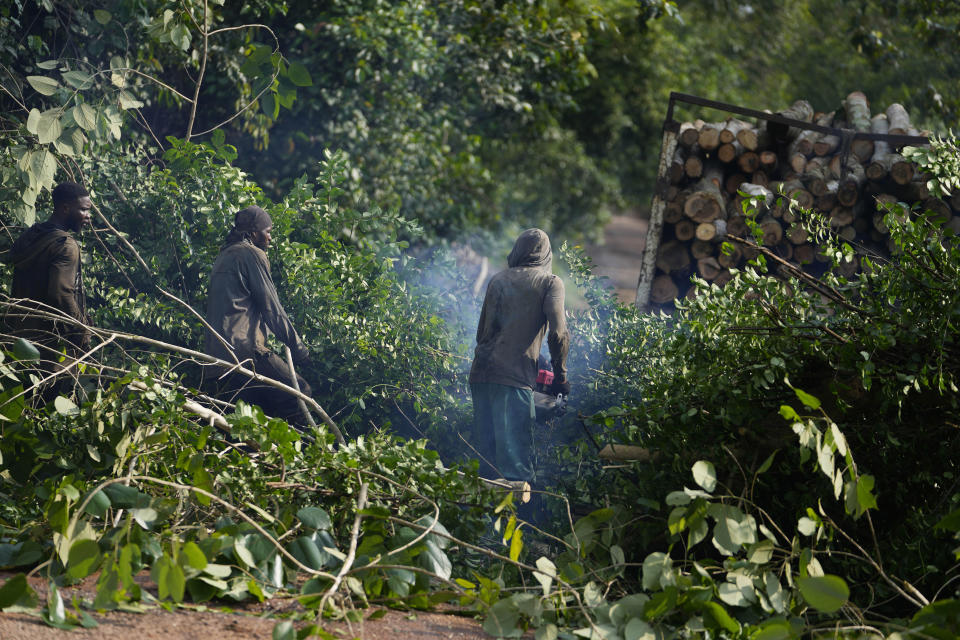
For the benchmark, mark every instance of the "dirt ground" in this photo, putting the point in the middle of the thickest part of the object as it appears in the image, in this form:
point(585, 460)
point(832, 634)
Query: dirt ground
point(246, 621)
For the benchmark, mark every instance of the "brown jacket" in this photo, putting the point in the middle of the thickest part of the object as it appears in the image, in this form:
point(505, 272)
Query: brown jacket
point(46, 268)
point(520, 304)
point(243, 306)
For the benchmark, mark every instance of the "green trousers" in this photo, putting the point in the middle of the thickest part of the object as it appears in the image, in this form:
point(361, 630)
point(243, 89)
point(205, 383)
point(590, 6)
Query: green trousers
point(503, 429)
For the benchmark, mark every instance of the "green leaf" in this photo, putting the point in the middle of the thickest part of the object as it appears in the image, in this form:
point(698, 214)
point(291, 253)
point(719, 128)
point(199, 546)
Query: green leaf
point(84, 558)
point(950, 522)
point(788, 412)
point(824, 593)
point(98, 504)
point(720, 617)
point(243, 554)
point(129, 101)
point(78, 79)
point(33, 122)
point(43, 85)
point(435, 560)
point(48, 126)
point(23, 349)
point(194, 556)
point(85, 116)
point(48, 64)
point(56, 611)
point(270, 106)
point(180, 36)
point(314, 518)
point(516, 545)
point(774, 630)
point(807, 399)
point(65, 406)
point(760, 552)
point(101, 16)
point(299, 75)
point(502, 620)
point(637, 629)
point(16, 591)
point(705, 475)
point(767, 463)
point(284, 630)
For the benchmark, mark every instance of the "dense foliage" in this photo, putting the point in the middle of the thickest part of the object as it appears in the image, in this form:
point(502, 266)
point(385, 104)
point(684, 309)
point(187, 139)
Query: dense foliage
point(818, 418)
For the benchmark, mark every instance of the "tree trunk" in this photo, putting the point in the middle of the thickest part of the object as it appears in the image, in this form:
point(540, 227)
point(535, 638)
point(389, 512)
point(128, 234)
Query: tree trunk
point(693, 165)
point(707, 203)
point(898, 119)
point(816, 176)
point(841, 216)
point(730, 130)
point(708, 268)
point(749, 138)
point(901, 169)
point(858, 116)
point(684, 230)
point(707, 231)
point(729, 152)
point(749, 161)
point(663, 290)
point(772, 232)
point(826, 145)
point(781, 133)
point(803, 253)
point(797, 235)
point(732, 184)
point(689, 132)
point(730, 255)
point(676, 172)
point(849, 190)
point(709, 138)
point(672, 256)
point(768, 160)
point(701, 249)
point(881, 160)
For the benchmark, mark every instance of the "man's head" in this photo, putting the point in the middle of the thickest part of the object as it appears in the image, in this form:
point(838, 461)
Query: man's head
point(71, 205)
point(255, 224)
point(532, 249)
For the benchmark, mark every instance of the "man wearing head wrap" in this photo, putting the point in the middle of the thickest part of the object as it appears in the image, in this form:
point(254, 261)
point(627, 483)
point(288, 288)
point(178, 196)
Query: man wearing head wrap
point(46, 276)
point(523, 303)
point(243, 307)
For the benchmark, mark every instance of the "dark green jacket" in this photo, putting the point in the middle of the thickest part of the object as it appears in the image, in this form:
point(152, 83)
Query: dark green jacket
point(243, 306)
point(46, 269)
point(522, 304)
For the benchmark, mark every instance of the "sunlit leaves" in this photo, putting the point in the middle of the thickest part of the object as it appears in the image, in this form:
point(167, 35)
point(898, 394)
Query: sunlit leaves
point(43, 85)
point(825, 593)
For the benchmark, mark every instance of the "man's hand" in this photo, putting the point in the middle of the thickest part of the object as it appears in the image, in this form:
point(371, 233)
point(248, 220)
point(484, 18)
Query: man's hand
point(559, 385)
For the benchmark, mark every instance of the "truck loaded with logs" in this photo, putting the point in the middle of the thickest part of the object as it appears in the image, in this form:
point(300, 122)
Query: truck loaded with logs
point(841, 163)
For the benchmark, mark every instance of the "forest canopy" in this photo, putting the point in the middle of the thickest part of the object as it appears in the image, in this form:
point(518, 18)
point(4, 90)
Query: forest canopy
point(800, 471)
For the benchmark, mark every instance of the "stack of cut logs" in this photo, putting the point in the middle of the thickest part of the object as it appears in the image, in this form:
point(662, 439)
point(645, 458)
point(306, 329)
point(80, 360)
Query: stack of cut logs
point(842, 177)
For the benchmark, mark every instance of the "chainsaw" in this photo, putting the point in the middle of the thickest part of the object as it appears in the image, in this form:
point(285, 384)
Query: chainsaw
point(548, 406)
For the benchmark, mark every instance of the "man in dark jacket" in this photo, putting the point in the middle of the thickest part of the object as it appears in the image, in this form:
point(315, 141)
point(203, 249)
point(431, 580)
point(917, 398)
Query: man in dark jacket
point(243, 308)
point(523, 303)
point(46, 277)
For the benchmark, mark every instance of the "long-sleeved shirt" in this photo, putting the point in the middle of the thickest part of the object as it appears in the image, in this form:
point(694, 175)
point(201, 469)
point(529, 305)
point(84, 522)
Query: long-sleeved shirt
point(46, 268)
point(522, 304)
point(243, 306)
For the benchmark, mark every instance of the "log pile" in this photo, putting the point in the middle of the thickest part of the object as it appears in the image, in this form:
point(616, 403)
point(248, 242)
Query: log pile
point(840, 176)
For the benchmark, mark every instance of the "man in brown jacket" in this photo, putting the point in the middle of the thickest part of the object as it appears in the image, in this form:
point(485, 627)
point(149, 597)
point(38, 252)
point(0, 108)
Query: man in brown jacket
point(521, 303)
point(46, 277)
point(243, 307)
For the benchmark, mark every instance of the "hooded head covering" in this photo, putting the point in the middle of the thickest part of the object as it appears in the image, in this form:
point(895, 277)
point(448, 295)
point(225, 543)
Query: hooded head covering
point(532, 249)
point(247, 221)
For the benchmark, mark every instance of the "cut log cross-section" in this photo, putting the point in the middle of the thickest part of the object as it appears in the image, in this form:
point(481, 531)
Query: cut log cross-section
point(707, 202)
